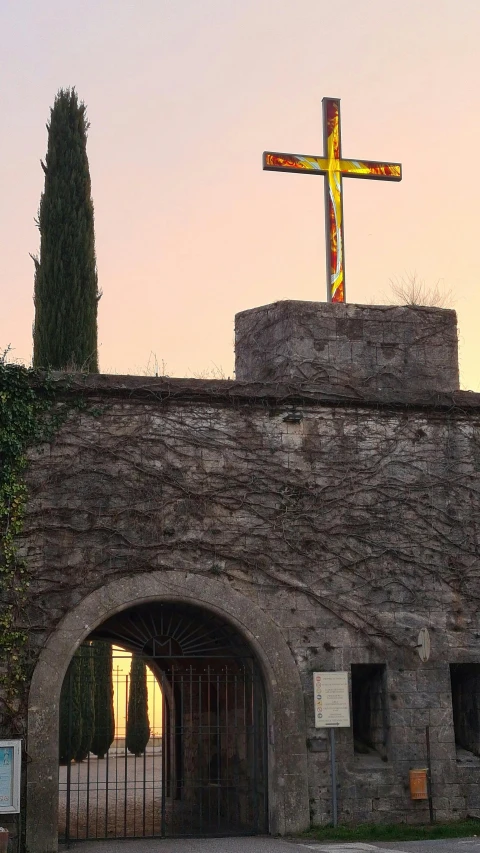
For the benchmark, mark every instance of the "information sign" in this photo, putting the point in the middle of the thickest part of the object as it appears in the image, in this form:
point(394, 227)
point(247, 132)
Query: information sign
point(332, 706)
point(10, 759)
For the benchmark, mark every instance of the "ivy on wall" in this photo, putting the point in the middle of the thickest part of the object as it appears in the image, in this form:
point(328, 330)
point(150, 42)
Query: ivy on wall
point(29, 415)
point(24, 421)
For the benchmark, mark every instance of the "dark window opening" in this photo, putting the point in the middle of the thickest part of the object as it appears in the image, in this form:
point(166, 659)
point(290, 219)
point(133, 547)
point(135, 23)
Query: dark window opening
point(465, 681)
point(369, 710)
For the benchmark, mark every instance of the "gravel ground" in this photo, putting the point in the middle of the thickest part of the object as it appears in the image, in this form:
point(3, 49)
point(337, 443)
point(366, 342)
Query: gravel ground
point(131, 788)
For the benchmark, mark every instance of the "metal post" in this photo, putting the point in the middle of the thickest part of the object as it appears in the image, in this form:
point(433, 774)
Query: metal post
point(334, 778)
point(69, 762)
point(429, 774)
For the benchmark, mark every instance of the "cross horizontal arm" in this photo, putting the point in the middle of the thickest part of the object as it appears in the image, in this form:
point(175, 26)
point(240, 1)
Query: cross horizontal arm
point(275, 162)
point(371, 169)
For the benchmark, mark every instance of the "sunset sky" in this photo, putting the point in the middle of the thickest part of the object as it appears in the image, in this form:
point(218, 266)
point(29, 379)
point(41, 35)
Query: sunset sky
point(183, 96)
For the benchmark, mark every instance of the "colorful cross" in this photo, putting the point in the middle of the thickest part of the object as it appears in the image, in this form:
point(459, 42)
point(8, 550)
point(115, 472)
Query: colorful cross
point(335, 168)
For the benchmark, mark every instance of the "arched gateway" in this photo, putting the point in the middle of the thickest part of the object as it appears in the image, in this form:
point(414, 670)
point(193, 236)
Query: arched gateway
point(201, 638)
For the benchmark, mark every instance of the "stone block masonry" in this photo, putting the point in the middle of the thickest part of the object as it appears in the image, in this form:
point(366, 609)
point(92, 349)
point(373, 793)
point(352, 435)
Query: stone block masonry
point(364, 346)
point(350, 526)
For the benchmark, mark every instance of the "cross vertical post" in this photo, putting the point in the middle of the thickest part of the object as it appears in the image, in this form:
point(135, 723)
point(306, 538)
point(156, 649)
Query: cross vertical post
point(335, 255)
point(334, 168)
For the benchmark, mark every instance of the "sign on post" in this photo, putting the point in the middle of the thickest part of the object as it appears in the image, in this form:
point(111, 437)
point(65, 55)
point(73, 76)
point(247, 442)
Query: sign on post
point(332, 711)
point(332, 705)
point(10, 760)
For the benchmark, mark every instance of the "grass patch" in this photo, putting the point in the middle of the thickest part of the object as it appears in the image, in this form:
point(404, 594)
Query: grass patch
point(394, 832)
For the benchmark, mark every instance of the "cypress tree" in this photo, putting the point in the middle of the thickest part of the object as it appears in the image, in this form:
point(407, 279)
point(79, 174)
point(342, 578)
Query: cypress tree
point(87, 700)
point(104, 713)
point(70, 728)
point(66, 285)
point(138, 726)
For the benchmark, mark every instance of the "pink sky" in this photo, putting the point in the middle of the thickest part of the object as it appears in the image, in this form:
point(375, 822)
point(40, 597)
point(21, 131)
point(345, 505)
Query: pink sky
point(183, 96)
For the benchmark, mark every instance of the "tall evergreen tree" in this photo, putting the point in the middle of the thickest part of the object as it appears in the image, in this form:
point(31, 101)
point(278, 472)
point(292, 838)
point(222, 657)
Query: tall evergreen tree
point(104, 713)
point(66, 285)
point(138, 726)
point(87, 700)
point(70, 728)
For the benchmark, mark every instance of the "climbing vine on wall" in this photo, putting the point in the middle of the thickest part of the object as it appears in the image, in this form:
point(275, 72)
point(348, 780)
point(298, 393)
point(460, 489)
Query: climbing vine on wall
point(28, 416)
point(22, 424)
point(367, 515)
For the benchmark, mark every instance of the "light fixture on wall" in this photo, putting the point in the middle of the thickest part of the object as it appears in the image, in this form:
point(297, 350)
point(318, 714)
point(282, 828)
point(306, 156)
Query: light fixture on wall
point(293, 417)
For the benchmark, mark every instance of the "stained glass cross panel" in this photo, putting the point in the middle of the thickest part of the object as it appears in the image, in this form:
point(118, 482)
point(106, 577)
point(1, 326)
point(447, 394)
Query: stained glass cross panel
point(334, 167)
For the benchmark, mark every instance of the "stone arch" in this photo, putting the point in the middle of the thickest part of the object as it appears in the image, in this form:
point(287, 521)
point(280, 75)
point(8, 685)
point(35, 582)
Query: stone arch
point(287, 759)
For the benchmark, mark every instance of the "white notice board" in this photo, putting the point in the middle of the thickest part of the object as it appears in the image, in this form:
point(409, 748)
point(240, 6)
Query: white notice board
point(10, 758)
point(332, 704)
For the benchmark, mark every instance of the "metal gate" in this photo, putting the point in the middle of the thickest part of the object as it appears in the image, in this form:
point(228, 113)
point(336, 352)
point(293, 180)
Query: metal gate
point(204, 769)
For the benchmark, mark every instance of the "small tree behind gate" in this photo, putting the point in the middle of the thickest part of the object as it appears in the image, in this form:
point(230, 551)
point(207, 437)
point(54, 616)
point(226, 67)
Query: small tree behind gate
point(138, 726)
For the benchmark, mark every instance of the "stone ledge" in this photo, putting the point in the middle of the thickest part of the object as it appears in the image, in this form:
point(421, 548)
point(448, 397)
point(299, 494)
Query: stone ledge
point(235, 392)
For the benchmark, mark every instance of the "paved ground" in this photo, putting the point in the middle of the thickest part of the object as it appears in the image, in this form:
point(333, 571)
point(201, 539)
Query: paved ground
point(273, 845)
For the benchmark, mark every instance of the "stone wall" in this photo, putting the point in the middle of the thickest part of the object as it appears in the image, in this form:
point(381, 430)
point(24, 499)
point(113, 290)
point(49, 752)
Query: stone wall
point(351, 524)
point(372, 347)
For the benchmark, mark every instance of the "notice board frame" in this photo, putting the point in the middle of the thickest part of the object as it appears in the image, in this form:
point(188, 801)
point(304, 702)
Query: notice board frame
point(10, 774)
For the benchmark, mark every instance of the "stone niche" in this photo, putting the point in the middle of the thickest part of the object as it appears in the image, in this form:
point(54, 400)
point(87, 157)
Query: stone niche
point(369, 709)
point(372, 348)
point(465, 680)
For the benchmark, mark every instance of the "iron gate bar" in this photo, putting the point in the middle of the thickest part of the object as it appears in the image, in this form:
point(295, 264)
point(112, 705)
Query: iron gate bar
point(163, 824)
point(236, 746)
point(204, 634)
point(69, 769)
point(219, 768)
point(144, 788)
point(255, 749)
point(169, 761)
point(106, 792)
point(201, 746)
point(88, 791)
